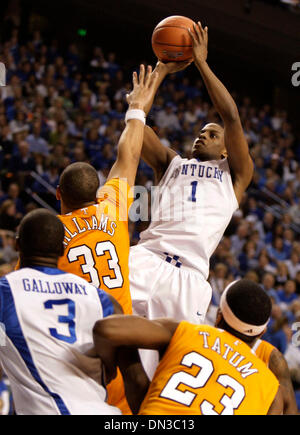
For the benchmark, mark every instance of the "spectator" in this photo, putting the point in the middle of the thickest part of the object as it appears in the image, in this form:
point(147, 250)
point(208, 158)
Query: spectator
point(287, 295)
point(292, 356)
point(166, 118)
point(275, 331)
point(247, 257)
point(268, 283)
point(239, 239)
point(8, 251)
point(22, 163)
point(36, 143)
point(8, 220)
point(13, 193)
point(219, 281)
point(276, 250)
point(282, 275)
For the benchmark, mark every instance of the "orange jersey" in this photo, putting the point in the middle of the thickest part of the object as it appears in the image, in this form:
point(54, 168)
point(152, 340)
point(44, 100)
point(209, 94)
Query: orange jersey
point(263, 350)
point(97, 249)
point(208, 371)
point(97, 242)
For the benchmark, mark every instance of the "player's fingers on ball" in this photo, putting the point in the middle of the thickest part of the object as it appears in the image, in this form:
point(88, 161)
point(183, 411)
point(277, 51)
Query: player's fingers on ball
point(200, 27)
point(142, 74)
point(192, 36)
point(197, 33)
point(148, 75)
point(202, 33)
point(206, 33)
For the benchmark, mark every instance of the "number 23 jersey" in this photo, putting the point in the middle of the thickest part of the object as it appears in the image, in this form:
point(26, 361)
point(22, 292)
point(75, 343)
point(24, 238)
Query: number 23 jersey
point(97, 242)
point(208, 371)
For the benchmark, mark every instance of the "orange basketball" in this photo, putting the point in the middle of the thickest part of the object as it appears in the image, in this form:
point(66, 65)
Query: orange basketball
point(171, 41)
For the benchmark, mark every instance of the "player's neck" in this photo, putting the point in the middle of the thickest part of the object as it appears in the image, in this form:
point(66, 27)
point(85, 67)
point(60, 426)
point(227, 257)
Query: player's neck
point(66, 210)
point(38, 262)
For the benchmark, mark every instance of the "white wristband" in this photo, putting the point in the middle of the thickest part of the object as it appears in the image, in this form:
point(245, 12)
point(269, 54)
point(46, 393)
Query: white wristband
point(135, 114)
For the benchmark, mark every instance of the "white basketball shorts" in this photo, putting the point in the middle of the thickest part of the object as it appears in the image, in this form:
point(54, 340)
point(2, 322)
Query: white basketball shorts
point(159, 288)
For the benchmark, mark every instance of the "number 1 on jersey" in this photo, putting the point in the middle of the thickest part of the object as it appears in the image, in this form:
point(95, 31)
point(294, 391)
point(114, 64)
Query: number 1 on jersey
point(194, 185)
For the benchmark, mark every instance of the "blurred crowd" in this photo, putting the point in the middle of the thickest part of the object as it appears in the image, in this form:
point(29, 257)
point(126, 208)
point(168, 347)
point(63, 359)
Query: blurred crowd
point(57, 109)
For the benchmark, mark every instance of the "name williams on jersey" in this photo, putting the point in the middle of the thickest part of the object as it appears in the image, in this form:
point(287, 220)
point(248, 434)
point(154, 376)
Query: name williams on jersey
point(92, 223)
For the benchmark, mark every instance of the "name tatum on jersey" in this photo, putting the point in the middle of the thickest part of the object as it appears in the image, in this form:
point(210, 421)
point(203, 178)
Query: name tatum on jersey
point(90, 224)
point(226, 351)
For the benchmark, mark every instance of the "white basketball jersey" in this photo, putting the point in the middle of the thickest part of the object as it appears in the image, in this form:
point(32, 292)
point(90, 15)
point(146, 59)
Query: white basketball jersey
point(46, 321)
point(193, 204)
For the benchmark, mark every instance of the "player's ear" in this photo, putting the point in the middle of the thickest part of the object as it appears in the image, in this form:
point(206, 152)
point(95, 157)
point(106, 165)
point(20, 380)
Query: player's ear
point(58, 194)
point(218, 318)
point(224, 154)
point(17, 244)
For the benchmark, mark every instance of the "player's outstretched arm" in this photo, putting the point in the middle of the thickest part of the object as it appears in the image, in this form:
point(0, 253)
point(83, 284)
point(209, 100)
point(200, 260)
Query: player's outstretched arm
point(126, 334)
point(279, 367)
point(131, 141)
point(236, 144)
point(277, 406)
point(155, 154)
point(105, 350)
point(136, 331)
point(135, 379)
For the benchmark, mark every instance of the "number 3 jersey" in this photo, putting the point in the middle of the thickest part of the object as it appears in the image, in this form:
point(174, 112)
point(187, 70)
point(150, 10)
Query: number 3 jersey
point(208, 371)
point(46, 331)
point(193, 205)
point(97, 242)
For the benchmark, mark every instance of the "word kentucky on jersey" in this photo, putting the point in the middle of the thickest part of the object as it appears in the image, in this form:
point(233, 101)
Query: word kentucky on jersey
point(41, 286)
point(187, 188)
point(200, 171)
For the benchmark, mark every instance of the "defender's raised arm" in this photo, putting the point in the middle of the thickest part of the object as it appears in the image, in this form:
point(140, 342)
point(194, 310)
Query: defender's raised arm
point(131, 141)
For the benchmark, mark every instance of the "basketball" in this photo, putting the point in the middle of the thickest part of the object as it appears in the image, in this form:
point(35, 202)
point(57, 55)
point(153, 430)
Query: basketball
point(171, 41)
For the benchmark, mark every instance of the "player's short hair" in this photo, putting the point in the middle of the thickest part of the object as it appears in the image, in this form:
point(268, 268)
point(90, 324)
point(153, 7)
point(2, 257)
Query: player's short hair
point(250, 305)
point(41, 234)
point(79, 184)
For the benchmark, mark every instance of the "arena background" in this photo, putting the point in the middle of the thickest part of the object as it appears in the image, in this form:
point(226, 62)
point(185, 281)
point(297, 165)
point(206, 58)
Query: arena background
point(252, 43)
point(252, 47)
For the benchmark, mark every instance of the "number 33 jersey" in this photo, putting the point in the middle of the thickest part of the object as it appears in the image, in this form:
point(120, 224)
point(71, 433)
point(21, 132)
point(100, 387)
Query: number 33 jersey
point(46, 338)
point(97, 242)
point(208, 371)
